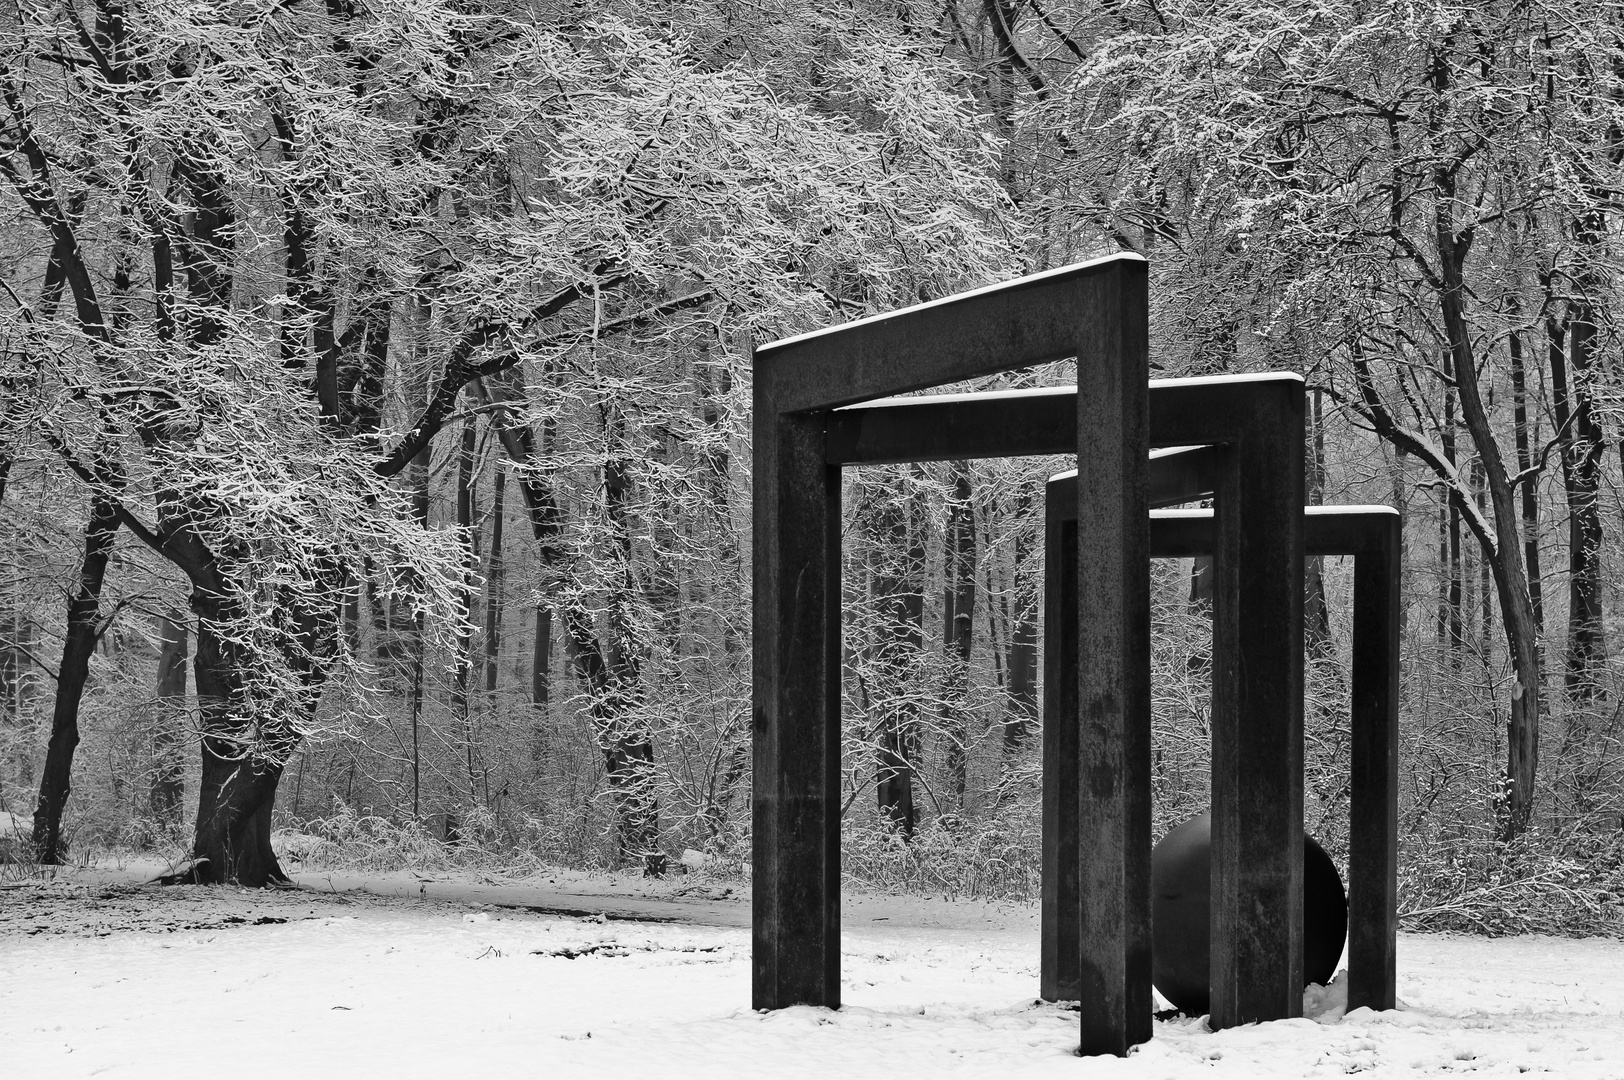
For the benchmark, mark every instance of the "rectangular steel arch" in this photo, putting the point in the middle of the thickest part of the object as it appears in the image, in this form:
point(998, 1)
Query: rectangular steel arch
point(1097, 312)
point(1371, 535)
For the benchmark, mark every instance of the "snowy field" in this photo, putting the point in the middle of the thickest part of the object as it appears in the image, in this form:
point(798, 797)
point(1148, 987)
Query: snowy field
point(102, 978)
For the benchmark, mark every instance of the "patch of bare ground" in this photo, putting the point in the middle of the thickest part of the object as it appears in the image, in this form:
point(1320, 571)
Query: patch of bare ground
point(79, 909)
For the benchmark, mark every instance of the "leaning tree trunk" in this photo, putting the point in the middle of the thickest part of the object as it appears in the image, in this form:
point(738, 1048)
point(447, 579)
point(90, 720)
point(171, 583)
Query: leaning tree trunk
point(607, 672)
point(79, 644)
point(1503, 546)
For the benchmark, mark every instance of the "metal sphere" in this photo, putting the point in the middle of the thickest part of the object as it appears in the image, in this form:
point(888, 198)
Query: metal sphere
point(1180, 882)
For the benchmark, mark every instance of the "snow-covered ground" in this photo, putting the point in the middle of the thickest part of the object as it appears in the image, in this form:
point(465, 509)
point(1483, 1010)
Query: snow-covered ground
point(121, 981)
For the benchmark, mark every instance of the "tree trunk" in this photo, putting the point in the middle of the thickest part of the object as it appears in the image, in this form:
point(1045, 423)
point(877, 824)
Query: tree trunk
point(1021, 659)
point(465, 527)
point(1453, 629)
point(958, 616)
point(418, 477)
point(1503, 548)
point(77, 647)
point(169, 725)
point(899, 595)
point(493, 582)
point(1530, 487)
point(607, 672)
point(541, 660)
point(243, 753)
point(1582, 448)
point(622, 730)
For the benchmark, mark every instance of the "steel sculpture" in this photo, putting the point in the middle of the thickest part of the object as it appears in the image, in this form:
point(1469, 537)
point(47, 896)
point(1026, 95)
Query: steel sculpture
point(823, 401)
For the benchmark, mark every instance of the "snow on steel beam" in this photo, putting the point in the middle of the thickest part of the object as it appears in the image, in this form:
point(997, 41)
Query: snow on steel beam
point(1004, 327)
point(1178, 474)
point(1327, 530)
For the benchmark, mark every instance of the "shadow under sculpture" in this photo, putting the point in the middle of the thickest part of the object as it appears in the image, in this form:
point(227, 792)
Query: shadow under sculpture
point(817, 409)
point(1371, 534)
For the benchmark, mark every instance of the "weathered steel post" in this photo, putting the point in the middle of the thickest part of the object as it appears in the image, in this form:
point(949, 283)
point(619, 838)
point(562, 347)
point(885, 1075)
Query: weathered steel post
point(1096, 311)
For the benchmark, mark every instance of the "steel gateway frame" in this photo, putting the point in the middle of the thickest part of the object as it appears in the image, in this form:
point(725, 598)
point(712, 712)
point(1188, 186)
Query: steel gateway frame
point(826, 400)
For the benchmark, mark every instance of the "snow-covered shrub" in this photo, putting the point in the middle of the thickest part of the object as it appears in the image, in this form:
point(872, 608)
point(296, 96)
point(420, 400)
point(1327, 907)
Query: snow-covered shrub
point(1540, 883)
point(997, 858)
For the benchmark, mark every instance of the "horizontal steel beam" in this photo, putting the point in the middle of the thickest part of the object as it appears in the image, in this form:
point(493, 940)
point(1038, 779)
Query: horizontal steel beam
point(1327, 530)
point(1013, 325)
point(1178, 475)
point(1041, 421)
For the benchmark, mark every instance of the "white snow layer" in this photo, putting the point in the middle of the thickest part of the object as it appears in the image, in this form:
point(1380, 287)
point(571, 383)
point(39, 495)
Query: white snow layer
point(930, 989)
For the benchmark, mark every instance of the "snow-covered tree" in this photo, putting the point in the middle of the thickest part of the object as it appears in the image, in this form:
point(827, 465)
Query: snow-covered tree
point(296, 241)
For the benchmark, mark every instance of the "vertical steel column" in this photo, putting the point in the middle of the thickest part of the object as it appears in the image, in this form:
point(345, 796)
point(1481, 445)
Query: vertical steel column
point(1113, 648)
point(796, 717)
point(1257, 719)
point(1058, 913)
point(1373, 831)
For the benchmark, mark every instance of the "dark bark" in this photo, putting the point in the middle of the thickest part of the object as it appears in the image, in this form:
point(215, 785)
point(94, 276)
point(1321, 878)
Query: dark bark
point(607, 670)
point(465, 636)
point(1503, 547)
point(546, 520)
point(465, 527)
point(958, 618)
point(1452, 631)
point(541, 660)
point(362, 355)
point(1021, 658)
point(1530, 487)
point(624, 736)
point(493, 581)
point(237, 789)
point(899, 597)
point(718, 461)
point(1571, 344)
point(254, 698)
point(407, 626)
point(168, 733)
point(83, 631)
point(1482, 582)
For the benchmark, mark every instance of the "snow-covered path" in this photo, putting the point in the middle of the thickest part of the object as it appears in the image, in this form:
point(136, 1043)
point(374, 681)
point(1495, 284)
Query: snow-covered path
point(389, 989)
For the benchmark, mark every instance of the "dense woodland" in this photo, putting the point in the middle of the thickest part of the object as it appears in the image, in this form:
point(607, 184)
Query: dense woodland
point(374, 410)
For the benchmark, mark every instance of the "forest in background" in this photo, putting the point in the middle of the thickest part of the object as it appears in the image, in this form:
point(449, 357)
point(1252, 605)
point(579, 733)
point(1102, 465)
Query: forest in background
point(374, 404)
